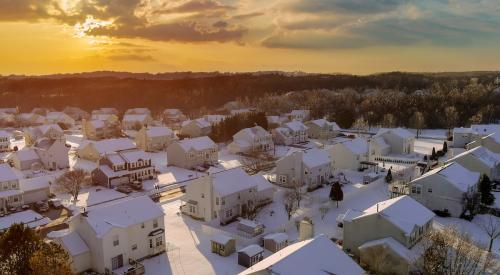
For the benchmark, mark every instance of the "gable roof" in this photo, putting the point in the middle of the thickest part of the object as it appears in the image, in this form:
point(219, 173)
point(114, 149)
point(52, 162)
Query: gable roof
point(357, 145)
point(252, 132)
point(158, 131)
point(459, 176)
point(315, 157)
point(317, 256)
point(197, 144)
point(323, 122)
point(231, 181)
point(26, 154)
point(400, 132)
point(295, 125)
point(6, 173)
point(135, 117)
point(113, 145)
point(481, 153)
point(45, 128)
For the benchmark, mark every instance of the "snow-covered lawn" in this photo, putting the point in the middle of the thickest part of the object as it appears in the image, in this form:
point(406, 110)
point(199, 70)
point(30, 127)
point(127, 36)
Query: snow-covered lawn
point(424, 146)
point(79, 163)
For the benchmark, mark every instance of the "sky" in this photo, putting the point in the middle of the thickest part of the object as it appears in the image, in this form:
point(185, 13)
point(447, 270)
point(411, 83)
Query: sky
point(330, 36)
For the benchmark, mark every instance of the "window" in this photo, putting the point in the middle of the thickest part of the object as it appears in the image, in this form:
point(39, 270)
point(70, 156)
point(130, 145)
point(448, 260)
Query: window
point(159, 241)
point(116, 241)
point(229, 213)
point(216, 201)
point(413, 189)
point(202, 195)
point(134, 247)
point(155, 223)
point(150, 243)
point(142, 225)
point(429, 190)
point(223, 202)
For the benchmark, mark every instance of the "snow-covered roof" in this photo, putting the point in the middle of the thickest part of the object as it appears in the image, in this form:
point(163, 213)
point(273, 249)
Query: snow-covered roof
point(403, 133)
point(138, 111)
point(197, 144)
point(252, 250)
point(317, 256)
point(6, 173)
point(200, 122)
point(96, 123)
point(231, 181)
point(221, 239)
point(28, 217)
point(123, 214)
point(172, 112)
point(462, 130)
point(26, 154)
point(253, 132)
point(45, 128)
point(323, 122)
point(459, 176)
point(4, 134)
point(44, 143)
point(299, 112)
point(159, 131)
point(35, 183)
point(315, 157)
point(135, 117)
point(71, 241)
point(392, 244)
point(113, 145)
point(134, 155)
point(357, 145)
point(486, 129)
point(295, 126)
point(277, 237)
point(404, 212)
point(484, 155)
point(214, 118)
point(262, 183)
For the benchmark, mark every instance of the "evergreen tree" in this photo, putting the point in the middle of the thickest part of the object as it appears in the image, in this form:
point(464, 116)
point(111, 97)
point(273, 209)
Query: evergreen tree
point(336, 193)
point(445, 147)
point(388, 177)
point(485, 191)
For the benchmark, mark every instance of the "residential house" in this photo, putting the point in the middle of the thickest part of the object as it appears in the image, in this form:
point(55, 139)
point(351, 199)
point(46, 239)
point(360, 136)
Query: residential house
point(192, 153)
point(4, 141)
point(480, 160)
point(153, 139)
point(11, 110)
point(35, 189)
point(76, 113)
point(299, 115)
point(108, 237)
point(50, 131)
point(42, 110)
point(275, 241)
point(123, 167)
point(240, 111)
point(60, 118)
point(275, 121)
point(290, 133)
point(105, 110)
point(322, 129)
point(463, 136)
point(265, 190)
point(10, 194)
point(402, 219)
point(138, 111)
point(31, 119)
point(110, 118)
point(250, 255)
point(95, 150)
point(53, 153)
point(249, 140)
point(223, 245)
point(172, 117)
point(95, 129)
point(318, 255)
point(7, 119)
point(395, 141)
point(195, 128)
point(224, 195)
point(349, 154)
point(311, 168)
point(490, 142)
point(136, 121)
point(445, 188)
point(26, 159)
point(214, 119)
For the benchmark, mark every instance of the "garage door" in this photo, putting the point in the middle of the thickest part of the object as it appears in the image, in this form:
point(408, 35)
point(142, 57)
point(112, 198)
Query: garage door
point(119, 181)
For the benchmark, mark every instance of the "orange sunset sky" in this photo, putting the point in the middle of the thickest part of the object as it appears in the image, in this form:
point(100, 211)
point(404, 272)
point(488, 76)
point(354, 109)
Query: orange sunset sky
point(349, 36)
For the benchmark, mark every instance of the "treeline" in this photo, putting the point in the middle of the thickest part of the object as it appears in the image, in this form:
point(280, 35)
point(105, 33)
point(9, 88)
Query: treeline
point(224, 130)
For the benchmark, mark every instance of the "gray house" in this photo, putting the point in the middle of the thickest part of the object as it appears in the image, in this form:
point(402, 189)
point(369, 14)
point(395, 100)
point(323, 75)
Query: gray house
point(250, 255)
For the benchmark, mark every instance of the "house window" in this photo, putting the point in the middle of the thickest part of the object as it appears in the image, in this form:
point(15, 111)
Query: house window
point(134, 247)
point(223, 202)
point(413, 189)
point(150, 243)
point(216, 201)
point(155, 223)
point(419, 189)
point(202, 195)
point(142, 225)
point(229, 213)
point(159, 241)
point(429, 190)
point(282, 179)
point(116, 241)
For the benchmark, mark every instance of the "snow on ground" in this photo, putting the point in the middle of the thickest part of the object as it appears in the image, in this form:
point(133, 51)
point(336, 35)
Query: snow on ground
point(173, 174)
point(424, 146)
point(473, 229)
point(79, 163)
point(159, 160)
point(228, 160)
point(431, 133)
point(91, 196)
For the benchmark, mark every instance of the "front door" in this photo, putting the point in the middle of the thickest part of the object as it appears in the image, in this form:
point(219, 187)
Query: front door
point(156, 244)
point(117, 262)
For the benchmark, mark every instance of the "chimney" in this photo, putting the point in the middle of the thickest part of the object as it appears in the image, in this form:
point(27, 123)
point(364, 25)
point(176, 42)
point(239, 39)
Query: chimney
point(377, 207)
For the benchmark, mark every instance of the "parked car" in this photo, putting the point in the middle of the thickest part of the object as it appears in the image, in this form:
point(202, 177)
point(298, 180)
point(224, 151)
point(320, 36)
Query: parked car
point(137, 185)
point(55, 203)
point(42, 206)
point(124, 189)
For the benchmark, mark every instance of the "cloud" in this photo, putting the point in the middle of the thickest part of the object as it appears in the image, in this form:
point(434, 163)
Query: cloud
point(247, 15)
point(341, 6)
point(196, 6)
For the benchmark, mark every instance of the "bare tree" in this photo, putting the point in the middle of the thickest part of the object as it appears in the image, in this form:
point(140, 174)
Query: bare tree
point(449, 251)
point(417, 121)
point(290, 203)
point(379, 261)
point(389, 121)
point(72, 181)
point(491, 226)
point(450, 117)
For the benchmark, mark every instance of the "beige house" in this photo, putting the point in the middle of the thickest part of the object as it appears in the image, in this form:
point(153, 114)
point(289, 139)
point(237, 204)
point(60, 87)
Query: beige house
point(348, 154)
point(4, 141)
point(36, 189)
point(105, 110)
point(123, 167)
point(224, 196)
point(138, 111)
point(26, 159)
point(394, 141)
point(463, 136)
point(490, 142)
point(95, 129)
point(107, 238)
point(10, 193)
point(153, 139)
point(171, 116)
point(299, 115)
point(309, 168)
point(95, 150)
point(445, 188)
point(195, 128)
point(192, 153)
point(318, 255)
point(60, 118)
point(255, 139)
point(31, 119)
point(50, 131)
point(480, 160)
point(322, 129)
point(290, 133)
point(112, 119)
point(136, 121)
point(53, 153)
point(402, 219)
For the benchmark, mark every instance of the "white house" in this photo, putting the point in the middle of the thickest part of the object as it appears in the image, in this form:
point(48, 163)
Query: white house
point(395, 141)
point(154, 138)
point(445, 188)
point(26, 159)
point(224, 195)
point(490, 142)
point(349, 154)
point(35, 189)
point(318, 255)
point(50, 131)
point(105, 110)
point(31, 119)
point(254, 139)
point(107, 237)
point(53, 153)
point(322, 129)
point(310, 168)
point(138, 111)
point(463, 136)
point(290, 133)
point(95, 150)
point(4, 141)
point(480, 160)
point(96, 129)
point(299, 115)
point(10, 194)
point(173, 116)
point(60, 118)
point(195, 128)
point(191, 153)
point(214, 119)
point(136, 121)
